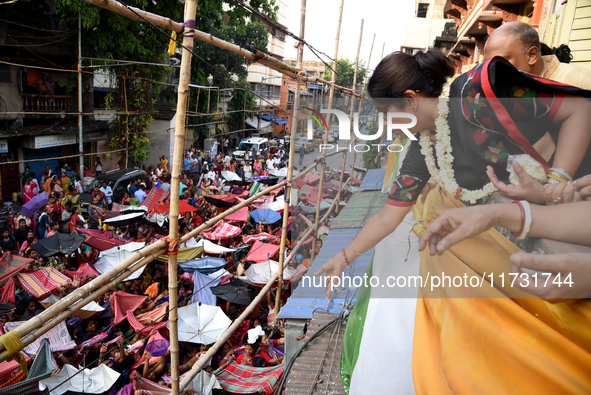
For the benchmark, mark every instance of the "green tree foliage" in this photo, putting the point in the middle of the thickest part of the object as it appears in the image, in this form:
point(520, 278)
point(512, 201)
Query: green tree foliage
point(221, 64)
point(345, 72)
point(219, 67)
point(109, 35)
point(242, 101)
point(371, 158)
point(106, 34)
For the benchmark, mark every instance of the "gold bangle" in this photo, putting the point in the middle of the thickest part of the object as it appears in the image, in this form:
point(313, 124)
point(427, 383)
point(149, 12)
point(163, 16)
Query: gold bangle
point(353, 249)
point(557, 177)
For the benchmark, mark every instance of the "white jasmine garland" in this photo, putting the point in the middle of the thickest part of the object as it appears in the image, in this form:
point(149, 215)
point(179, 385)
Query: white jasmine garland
point(445, 175)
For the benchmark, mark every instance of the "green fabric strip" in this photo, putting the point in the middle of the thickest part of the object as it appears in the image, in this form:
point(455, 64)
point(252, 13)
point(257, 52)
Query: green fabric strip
point(354, 332)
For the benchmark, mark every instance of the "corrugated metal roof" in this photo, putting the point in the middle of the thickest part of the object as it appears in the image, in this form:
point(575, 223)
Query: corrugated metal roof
point(373, 180)
point(309, 294)
point(302, 374)
point(360, 208)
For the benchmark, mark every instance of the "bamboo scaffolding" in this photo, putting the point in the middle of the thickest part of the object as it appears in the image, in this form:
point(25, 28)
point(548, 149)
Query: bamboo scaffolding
point(158, 248)
point(177, 167)
point(166, 23)
point(292, 139)
point(249, 309)
point(361, 101)
point(325, 139)
point(352, 106)
point(32, 336)
point(57, 308)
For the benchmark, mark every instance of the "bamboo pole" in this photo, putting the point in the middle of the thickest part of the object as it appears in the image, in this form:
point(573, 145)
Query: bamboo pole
point(292, 139)
point(325, 140)
point(249, 309)
point(32, 336)
point(63, 304)
point(158, 248)
point(173, 218)
point(168, 24)
point(352, 106)
point(361, 100)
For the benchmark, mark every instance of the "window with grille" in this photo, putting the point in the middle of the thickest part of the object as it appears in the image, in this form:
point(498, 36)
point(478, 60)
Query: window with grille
point(5, 73)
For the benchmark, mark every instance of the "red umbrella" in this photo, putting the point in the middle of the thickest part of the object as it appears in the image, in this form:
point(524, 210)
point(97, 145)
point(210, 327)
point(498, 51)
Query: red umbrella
point(240, 215)
point(184, 208)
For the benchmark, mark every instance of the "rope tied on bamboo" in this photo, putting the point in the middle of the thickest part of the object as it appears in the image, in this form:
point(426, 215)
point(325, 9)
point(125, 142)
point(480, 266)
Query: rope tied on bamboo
point(172, 246)
point(258, 55)
point(12, 346)
point(188, 28)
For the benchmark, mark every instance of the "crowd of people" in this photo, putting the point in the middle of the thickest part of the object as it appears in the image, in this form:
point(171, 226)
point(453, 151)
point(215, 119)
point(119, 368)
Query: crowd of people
point(259, 340)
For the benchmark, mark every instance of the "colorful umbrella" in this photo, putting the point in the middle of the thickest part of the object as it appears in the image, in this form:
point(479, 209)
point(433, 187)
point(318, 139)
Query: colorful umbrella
point(31, 207)
point(205, 265)
point(265, 216)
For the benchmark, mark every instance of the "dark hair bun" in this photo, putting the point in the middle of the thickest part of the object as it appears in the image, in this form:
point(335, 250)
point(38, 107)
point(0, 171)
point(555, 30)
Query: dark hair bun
point(425, 72)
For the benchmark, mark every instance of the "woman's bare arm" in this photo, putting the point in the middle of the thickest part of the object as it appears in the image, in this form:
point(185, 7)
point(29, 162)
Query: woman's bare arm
point(378, 227)
point(574, 116)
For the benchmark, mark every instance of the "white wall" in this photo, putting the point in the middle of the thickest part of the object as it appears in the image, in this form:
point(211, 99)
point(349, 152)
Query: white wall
point(421, 32)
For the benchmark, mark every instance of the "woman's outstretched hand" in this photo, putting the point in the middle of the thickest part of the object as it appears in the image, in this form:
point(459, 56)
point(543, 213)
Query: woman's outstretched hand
point(333, 269)
point(529, 189)
point(455, 225)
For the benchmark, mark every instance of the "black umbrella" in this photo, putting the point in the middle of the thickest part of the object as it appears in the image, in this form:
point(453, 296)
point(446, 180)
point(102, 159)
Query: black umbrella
point(125, 219)
point(58, 243)
point(218, 202)
point(241, 182)
point(269, 181)
point(6, 308)
point(236, 291)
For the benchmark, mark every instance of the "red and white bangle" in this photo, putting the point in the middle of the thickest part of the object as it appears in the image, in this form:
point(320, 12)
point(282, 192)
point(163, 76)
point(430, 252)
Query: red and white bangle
point(526, 219)
point(346, 259)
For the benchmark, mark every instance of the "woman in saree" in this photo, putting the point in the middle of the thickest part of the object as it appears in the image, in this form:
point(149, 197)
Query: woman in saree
point(28, 191)
point(74, 196)
point(482, 131)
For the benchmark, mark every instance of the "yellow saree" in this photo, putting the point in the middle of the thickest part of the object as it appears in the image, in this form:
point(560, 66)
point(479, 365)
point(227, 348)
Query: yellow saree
point(493, 339)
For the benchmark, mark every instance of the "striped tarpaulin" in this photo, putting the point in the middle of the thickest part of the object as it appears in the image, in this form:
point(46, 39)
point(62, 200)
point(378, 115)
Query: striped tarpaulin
point(42, 282)
point(241, 379)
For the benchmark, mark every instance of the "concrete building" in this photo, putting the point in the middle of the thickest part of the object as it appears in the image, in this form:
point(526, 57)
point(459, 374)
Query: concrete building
point(568, 23)
point(265, 82)
point(425, 27)
point(476, 19)
point(39, 119)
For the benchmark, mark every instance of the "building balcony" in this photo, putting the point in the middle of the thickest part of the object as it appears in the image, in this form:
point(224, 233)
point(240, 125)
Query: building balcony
point(46, 103)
